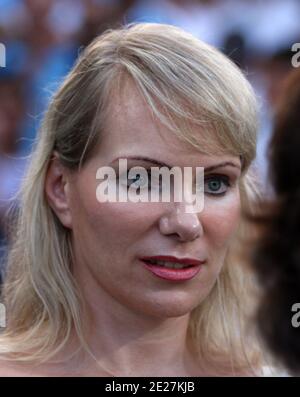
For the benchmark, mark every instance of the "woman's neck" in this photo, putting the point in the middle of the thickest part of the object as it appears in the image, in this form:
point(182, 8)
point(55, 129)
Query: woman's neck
point(124, 342)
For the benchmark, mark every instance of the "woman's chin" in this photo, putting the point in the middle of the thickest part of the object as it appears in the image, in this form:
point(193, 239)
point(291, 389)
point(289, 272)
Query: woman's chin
point(166, 308)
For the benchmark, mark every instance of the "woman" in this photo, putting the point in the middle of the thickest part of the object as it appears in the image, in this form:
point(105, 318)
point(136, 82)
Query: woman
point(276, 257)
point(89, 289)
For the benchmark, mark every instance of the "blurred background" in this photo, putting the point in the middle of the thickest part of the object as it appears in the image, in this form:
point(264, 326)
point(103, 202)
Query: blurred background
point(42, 39)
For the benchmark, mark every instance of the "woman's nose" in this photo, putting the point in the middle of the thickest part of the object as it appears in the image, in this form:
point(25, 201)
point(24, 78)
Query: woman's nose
point(180, 222)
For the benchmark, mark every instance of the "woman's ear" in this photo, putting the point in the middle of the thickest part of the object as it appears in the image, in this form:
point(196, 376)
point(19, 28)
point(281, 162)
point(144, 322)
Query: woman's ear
point(57, 191)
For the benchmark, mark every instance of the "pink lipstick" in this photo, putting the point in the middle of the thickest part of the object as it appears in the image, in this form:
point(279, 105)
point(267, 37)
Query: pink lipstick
point(172, 268)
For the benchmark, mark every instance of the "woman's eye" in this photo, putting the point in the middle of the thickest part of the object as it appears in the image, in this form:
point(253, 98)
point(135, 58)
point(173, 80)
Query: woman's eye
point(139, 181)
point(216, 185)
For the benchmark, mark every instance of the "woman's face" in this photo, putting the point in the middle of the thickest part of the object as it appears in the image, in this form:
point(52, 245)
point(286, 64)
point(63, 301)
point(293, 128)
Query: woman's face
point(111, 238)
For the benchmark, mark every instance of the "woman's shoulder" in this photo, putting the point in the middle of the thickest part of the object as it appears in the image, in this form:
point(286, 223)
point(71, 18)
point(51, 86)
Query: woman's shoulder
point(11, 369)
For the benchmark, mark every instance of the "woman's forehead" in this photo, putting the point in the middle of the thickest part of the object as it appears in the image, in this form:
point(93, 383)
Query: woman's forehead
point(131, 120)
point(132, 129)
point(155, 141)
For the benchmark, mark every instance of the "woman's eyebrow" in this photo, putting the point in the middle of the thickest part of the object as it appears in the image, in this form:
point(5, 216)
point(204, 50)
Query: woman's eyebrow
point(161, 163)
point(220, 165)
point(142, 158)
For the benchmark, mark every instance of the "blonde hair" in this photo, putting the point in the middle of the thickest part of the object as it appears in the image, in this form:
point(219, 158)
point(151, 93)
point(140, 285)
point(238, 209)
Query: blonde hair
point(185, 83)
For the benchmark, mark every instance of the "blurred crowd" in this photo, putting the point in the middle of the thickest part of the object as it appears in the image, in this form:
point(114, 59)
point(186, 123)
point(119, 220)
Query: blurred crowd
point(42, 39)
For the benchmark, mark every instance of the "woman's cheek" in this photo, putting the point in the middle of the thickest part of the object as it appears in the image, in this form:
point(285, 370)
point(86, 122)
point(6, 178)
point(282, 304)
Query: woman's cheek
point(127, 217)
point(221, 218)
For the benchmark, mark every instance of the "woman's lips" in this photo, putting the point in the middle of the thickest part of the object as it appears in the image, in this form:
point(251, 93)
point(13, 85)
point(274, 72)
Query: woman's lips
point(192, 268)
